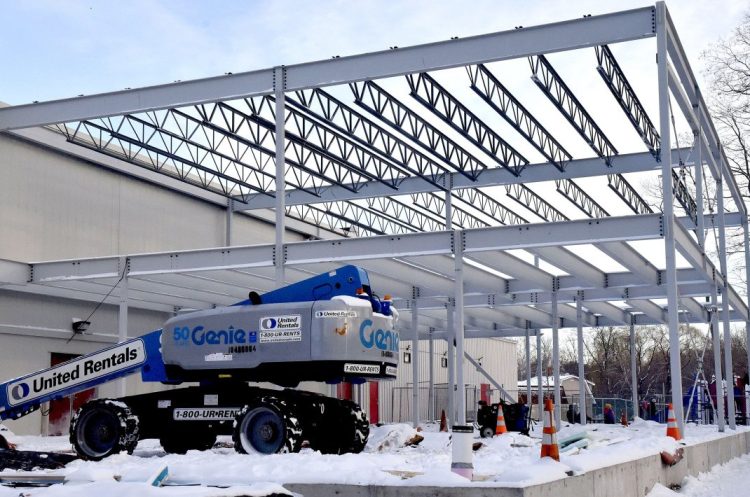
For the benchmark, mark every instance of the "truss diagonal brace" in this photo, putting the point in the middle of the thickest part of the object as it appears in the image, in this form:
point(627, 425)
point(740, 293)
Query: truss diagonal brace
point(526, 197)
point(552, 85)
point(618, 84)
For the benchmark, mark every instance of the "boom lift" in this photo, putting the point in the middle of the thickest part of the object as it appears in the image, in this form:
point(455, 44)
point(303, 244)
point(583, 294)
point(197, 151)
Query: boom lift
point(330, 327)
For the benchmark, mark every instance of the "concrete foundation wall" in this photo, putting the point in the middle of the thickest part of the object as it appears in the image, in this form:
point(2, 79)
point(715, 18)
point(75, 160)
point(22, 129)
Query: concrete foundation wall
point(629, 479)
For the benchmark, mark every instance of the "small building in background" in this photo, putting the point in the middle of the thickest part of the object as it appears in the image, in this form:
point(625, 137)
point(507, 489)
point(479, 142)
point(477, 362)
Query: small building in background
point(569, 392)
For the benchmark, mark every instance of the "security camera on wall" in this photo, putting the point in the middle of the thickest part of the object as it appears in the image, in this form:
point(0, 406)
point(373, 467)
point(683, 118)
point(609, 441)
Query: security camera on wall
point(80, 326)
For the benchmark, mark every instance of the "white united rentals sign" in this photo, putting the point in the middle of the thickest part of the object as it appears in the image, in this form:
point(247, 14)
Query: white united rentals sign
point(77, 372)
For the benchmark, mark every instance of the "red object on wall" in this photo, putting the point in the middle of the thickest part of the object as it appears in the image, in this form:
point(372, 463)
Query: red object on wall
point(344, 390)
point(374, 402)
point(484, 392)
point(61, 410)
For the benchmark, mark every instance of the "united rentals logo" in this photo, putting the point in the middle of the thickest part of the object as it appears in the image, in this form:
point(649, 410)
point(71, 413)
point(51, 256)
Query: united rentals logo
point(77, 372)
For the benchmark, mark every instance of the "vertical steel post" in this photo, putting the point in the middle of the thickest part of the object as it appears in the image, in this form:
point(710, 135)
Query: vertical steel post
point(279, 82)
point(448, 210)
point(122, 319)
point(539, 384)
point(431, 380)
point(415, 361)
point(699, 180)
point(716, 345)
point(746, 234)
point(458, 251)
point(633, 367)
point(528, 367)
point(228, 226)
point(556, 357)
point(451, 356)
point(582, 387)
point(668, 215)
point(728, 365)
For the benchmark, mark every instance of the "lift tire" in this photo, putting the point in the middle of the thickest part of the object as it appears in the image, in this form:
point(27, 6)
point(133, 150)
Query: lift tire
point(103, 427)
point(487, 432)
point(180, 443)
point(350, 432)
point(266, 427)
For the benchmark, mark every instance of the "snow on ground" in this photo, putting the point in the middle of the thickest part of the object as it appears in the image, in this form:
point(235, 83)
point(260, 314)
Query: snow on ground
point(726, 480)
point(509, 460)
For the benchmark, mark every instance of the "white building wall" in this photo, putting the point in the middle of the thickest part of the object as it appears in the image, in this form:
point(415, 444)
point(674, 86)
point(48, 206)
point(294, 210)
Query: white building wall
point(498, 358)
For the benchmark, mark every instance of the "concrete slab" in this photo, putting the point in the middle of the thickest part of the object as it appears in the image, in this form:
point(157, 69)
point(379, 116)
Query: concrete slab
point(323, 490)
point(647, 473)
point(574, 486)
point(616, 480)
point(697, 458)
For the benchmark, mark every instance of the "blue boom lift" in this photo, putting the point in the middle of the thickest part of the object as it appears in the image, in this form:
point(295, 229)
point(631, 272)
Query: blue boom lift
point(330, 328)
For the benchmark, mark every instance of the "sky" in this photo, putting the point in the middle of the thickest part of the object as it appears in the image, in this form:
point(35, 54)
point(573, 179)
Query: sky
point(51, 49)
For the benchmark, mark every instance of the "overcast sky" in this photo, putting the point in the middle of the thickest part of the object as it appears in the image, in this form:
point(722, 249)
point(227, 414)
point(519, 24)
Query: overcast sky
point(54, 49)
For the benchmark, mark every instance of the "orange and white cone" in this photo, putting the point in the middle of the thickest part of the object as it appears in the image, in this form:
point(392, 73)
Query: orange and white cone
point(500, 427)
point(443, 422)
point(672, 429)
point(549, 436)
point(624, 419)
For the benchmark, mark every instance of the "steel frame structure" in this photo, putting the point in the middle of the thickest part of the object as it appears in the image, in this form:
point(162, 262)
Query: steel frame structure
point(418, 185)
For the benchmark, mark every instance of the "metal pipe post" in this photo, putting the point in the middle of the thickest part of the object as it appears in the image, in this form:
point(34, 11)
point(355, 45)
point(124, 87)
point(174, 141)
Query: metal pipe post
point(122, 323)
point(746, 233)
point(431, 377)
point(528, 368)
point(539, 385)
point(458, 250)
point(699, 180)
point(556, 359)
point(415, 363)
point(582, 387)
point(716, 345)
point(669, 218)
point(451, 356)
point(728, 364)
point(228, 227)
point(633, 367)
point(279, 81)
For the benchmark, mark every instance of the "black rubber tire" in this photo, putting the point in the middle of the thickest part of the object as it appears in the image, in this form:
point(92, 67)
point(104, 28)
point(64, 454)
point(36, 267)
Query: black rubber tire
point(103, 427)
point(349, 433)
point(180, 443)
point(266, 427)
point(487, 432)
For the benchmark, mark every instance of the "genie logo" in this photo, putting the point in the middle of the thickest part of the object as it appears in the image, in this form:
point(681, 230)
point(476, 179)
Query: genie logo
point(20, 391)
point(381, 339)
point(199, 335)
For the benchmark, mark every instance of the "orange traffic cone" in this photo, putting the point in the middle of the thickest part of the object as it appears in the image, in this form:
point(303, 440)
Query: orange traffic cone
point(549, 437)
point(672, 429)
point(624, 419)
point(500, 427)
point(443, 422)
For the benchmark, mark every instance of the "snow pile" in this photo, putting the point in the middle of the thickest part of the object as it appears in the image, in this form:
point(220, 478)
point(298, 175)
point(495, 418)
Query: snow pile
point(389, 438)
point(724, 480)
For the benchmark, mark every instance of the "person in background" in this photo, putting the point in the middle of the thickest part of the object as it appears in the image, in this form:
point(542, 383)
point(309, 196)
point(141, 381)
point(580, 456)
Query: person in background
point(609, 414)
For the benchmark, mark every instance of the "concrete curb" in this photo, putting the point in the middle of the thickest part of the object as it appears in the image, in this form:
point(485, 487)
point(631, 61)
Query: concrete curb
point(633, 478)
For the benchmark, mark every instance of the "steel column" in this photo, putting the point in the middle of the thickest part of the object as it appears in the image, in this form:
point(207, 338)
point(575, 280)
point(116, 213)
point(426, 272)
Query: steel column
point(716, 345)
point(582, 387)
point(228, 225)
point(451, 356)
point(746, 234)
point(669, 219)
point(728, 366)
point(539, 387)
point(699, 184)
point(633, 367)
point(279, 81)
point(528, 368)
point(556, 358)
point(458, 251)
point(122, 322)
point(415, 363)
point(431, 377)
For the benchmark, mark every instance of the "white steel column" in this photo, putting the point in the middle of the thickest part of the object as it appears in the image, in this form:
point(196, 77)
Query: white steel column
point(415, 361)
point(458, 251)
point(451, 356)
point(431, 378)
point(669, 219)
point(122, 320)
point(539, 385)
point(716, 345)
point(699, 181)
point(582, 387)
point(728, 366)
point(279, 81)
point(556, 358)
point(746, 234)
point(633, 367)
point(228, 227)
point(528, 368)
